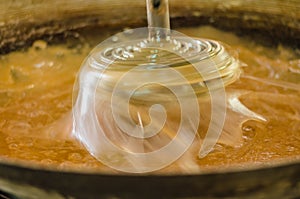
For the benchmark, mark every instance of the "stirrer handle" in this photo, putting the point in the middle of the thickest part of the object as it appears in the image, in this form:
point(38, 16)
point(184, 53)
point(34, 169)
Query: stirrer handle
point(158, 20)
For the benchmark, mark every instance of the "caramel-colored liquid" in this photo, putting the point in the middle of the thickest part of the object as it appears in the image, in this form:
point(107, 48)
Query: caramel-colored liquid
point(36, 98)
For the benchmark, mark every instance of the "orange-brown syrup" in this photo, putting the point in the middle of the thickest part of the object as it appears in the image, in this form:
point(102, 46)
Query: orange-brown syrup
point(36, 92)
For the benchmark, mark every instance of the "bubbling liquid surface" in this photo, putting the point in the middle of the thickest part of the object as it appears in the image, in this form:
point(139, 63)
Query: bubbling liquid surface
point(36, 99)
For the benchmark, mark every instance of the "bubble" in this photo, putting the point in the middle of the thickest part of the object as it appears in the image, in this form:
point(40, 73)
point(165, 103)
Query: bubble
point(248, 129)
point(13, 146)
point(128, 31)
point(290, 148)
point(39, 45)
point(114, 39)
point(75, 157)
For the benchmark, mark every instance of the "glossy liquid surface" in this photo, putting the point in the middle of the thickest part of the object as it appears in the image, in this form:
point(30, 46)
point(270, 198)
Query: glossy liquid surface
point(36, 99)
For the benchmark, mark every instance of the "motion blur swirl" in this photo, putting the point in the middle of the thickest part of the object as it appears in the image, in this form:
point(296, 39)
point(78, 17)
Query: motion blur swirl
point(136, 105)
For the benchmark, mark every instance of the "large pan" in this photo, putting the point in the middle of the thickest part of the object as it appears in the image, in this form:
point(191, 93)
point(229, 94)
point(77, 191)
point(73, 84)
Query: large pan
point(22, 22)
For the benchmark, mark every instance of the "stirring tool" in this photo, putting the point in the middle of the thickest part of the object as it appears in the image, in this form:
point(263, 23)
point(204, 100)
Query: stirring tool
point(137, 98)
